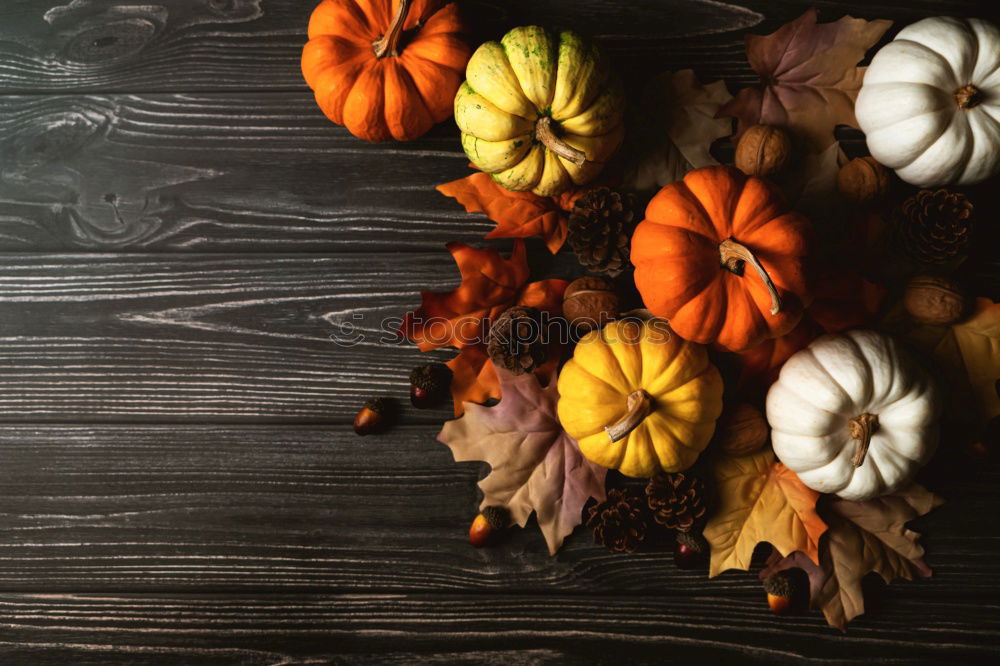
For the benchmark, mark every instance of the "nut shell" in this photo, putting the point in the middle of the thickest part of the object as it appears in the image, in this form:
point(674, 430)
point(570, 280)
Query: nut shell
point(742, 430)
point(935, 300)
point(764, 150)
point(590, 303)
point(863, 181)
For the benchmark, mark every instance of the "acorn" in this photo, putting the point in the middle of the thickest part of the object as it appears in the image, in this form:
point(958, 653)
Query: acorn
point(429, 384)
point(487, 525)
point(935, 300)
point(764, 151)
point(781, 593)
point(373, 417)
point(590, 303)
point(863, 181)
point(691, 550)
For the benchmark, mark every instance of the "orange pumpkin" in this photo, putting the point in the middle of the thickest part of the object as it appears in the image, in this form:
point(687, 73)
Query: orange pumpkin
point(385, 69)
point(721, 257)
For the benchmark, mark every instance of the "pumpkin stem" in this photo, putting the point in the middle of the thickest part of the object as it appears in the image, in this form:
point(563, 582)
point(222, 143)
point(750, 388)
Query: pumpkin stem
point(968, 96)
point(639, 405)
point(862, 428)
point(545, 133)
point(732, 253)
point(388, 43)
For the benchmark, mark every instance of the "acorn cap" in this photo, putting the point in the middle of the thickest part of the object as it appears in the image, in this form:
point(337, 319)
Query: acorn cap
point(780, 585)
point(694, 541)
point(377, 405)
point(497, 516)
point(433, 377)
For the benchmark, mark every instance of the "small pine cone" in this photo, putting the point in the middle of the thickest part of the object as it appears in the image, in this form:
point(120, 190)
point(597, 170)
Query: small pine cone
point(516, 341)
point(676, 500)
point(618, 522)
point(600, 228)
point(933, 227)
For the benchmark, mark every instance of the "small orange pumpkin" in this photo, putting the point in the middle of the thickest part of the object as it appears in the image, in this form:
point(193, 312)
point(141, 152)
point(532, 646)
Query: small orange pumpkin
point(720, 256)
point(385, 69)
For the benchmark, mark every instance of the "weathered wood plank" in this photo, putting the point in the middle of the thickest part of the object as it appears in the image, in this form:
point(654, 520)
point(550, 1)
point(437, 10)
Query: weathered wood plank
point(146, 507)
point(212, 337)
point(495, 629)
point(210, 172)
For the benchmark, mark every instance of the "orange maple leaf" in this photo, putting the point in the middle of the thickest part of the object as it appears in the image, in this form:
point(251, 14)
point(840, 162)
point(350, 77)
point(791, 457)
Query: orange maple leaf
point(517, 214)
point(461, 318)
point(760, 500)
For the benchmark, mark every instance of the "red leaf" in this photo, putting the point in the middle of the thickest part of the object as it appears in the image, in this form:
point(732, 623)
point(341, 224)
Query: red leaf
point(461, 318)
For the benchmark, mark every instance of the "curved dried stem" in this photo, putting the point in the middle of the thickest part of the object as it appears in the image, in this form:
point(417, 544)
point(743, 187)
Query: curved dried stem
point(545, 133)
point(862, 428)
point(731, 253)
point(388, 44)
point(639, 405)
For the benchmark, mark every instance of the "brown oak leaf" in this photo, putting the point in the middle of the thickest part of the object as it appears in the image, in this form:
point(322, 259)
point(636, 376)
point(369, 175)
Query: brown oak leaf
point(517, 214)
point(760, 500)
point(809, 76)
point(863, 537)
point(535, 465)
point(461, 318)
point(678, 125)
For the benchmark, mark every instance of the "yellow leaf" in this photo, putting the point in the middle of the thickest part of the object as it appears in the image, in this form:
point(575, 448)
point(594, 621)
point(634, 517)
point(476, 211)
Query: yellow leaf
point(760, 500)
point(978, 340)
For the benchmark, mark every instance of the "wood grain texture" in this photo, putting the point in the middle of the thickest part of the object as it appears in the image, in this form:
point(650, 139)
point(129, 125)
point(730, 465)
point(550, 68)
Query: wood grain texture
point(228, 337)
point(464, 629)
point(186, 237)
point(211, 172)
point(266, 508)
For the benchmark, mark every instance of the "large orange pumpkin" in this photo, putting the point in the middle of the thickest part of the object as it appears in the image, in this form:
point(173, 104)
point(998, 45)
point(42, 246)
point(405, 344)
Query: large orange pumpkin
point(720, 256)
point(385, 69)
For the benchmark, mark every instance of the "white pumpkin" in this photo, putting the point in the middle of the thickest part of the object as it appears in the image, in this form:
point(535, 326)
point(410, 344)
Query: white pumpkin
point(853, 415)
point(930, 102)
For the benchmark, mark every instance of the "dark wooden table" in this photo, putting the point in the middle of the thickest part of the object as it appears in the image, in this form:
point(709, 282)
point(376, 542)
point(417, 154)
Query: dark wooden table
point(182, 233)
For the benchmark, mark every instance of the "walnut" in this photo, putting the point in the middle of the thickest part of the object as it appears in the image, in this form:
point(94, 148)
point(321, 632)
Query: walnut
point(764, 151)
point(590, 303)
point(935, 300)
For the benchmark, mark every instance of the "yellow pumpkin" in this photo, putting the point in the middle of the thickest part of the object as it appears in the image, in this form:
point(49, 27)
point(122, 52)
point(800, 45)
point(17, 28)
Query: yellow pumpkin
point(640, 399)
point(540, 111)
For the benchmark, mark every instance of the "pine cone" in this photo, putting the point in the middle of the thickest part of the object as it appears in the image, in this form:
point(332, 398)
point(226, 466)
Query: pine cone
point(933, 227)
point(515, 340)
point(599, 230)
point(676, 500)
point(618, 522)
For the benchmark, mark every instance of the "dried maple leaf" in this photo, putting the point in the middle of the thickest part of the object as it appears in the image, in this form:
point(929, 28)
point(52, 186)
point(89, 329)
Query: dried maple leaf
point(978, 340)
point(809, 76)
point(967, 355)
point(535, 465)
point(679, 124)
point(517, 214)
point(760, 500)
point(460, 318)
point(863, 537)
